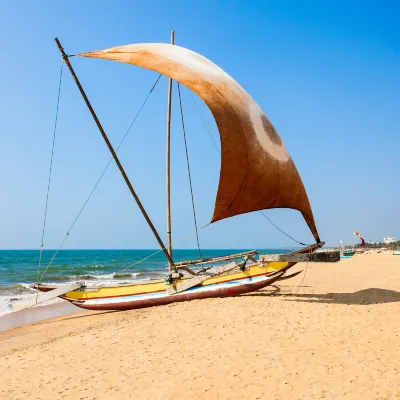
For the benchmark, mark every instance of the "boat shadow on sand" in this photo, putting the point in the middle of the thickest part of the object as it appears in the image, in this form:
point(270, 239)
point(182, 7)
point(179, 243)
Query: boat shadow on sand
point(361, 297)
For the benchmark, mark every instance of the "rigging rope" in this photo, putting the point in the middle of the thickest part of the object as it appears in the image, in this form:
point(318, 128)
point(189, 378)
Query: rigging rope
point(188, 168)
point(204, 122)
point(101, 176)
point(304, 275)
point(159, 251)
point(219, 151)
point(277, 227)
point(50, 170)
point(111, 158)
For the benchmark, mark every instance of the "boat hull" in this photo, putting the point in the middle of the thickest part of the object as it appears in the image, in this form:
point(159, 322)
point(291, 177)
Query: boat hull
point(163, 298)
point(154, 293)
point(347, 254)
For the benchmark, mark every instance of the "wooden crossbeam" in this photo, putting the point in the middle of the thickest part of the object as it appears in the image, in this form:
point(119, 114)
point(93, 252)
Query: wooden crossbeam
point(215, 259)
point(328, 256)
point(197, 280)
point(41, 297)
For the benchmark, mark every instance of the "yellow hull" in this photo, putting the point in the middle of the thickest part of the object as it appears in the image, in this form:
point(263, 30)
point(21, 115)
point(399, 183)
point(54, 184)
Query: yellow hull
point(151, 287)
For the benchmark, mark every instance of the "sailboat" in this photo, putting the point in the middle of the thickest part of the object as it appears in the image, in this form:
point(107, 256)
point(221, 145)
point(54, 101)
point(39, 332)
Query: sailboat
point(343, 252)
point(361, 249)
point(347, 253)
point(256, 173)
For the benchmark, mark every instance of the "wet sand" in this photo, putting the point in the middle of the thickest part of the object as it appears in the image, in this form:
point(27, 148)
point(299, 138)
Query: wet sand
point(333, 334)
point(35, 314)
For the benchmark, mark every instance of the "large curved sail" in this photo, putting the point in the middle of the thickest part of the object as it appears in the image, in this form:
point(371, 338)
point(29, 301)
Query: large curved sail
point(257, 171)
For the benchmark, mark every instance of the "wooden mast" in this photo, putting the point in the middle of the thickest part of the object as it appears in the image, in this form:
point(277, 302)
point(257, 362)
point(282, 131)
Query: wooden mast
point(103, 133)
point(168, 168)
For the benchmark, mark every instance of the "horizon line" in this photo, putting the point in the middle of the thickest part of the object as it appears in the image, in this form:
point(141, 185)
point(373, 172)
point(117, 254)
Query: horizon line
point(150, 249)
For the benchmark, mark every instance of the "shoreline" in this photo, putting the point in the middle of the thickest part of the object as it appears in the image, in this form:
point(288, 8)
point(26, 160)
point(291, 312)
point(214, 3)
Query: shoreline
point(30, 316)
point(331, 332)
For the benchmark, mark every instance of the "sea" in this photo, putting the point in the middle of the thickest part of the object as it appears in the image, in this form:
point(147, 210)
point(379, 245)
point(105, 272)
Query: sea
point(19, 268)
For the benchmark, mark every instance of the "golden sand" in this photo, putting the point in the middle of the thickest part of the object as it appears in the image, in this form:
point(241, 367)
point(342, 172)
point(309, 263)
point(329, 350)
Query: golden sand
point(333, 335)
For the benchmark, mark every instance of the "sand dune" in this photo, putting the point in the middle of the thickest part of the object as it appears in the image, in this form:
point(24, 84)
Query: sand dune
point(334, 334)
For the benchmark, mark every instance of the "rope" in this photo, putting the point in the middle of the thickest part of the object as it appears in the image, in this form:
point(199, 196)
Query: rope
point(101, 176)
point(50, 170)
point(304, 275)
point(277, 227)
point(204, 122)
point(54, 256)
point(216, 147)
point(299, 286)
point(111, 159)
point(188, 168)
point(159, 251)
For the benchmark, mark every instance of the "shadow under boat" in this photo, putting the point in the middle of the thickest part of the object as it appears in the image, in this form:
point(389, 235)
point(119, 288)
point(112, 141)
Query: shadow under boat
point(361, 297)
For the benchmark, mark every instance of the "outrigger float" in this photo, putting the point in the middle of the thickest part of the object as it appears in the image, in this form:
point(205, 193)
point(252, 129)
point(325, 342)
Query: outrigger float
point(256, 173)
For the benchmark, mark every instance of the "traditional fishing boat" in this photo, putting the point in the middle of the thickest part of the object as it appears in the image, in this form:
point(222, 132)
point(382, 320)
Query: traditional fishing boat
point(256, 173)
point(361, 249)
point(347, 253)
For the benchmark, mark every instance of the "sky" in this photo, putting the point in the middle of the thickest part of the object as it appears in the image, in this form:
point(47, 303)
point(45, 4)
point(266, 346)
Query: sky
point(327, 75)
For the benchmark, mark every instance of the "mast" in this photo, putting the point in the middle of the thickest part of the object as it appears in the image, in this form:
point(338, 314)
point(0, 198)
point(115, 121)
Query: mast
point(103, 133)
point(168, 166)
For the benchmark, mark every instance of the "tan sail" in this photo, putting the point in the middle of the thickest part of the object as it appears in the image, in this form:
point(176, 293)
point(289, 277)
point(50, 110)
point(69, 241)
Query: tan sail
point(257, 171)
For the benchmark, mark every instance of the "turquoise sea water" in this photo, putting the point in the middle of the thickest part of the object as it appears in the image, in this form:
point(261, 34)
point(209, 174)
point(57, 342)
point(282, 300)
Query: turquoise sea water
point(18, 268)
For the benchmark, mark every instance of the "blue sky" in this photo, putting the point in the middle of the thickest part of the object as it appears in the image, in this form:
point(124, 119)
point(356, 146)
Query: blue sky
point(327, 74)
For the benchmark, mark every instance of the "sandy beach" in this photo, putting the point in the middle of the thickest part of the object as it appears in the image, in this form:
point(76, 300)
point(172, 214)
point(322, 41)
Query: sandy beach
point(333, 333)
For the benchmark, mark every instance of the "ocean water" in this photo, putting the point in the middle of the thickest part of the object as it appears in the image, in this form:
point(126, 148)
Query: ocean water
point(19, 268)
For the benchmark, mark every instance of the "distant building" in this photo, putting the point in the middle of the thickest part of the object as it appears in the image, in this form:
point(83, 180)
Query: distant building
point(389, 239)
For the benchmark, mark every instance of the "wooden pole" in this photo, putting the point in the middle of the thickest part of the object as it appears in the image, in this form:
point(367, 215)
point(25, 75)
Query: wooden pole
point(103, 133)
point(215, 259)
point(168, 169)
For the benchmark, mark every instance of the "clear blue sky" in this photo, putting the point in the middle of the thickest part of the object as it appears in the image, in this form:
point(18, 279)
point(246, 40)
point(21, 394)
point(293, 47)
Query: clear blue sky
point(326, 73)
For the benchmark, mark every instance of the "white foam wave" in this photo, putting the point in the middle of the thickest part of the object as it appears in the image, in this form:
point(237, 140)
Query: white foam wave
point(6, 302)
point(23, 291)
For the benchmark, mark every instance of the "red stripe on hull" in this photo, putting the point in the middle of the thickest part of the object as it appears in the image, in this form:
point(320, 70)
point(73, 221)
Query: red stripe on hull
point(223, 292)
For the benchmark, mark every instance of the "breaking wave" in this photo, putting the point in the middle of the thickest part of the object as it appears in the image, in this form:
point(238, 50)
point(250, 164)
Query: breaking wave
point(16, 290)
point(91, 277)
point(21, 291)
